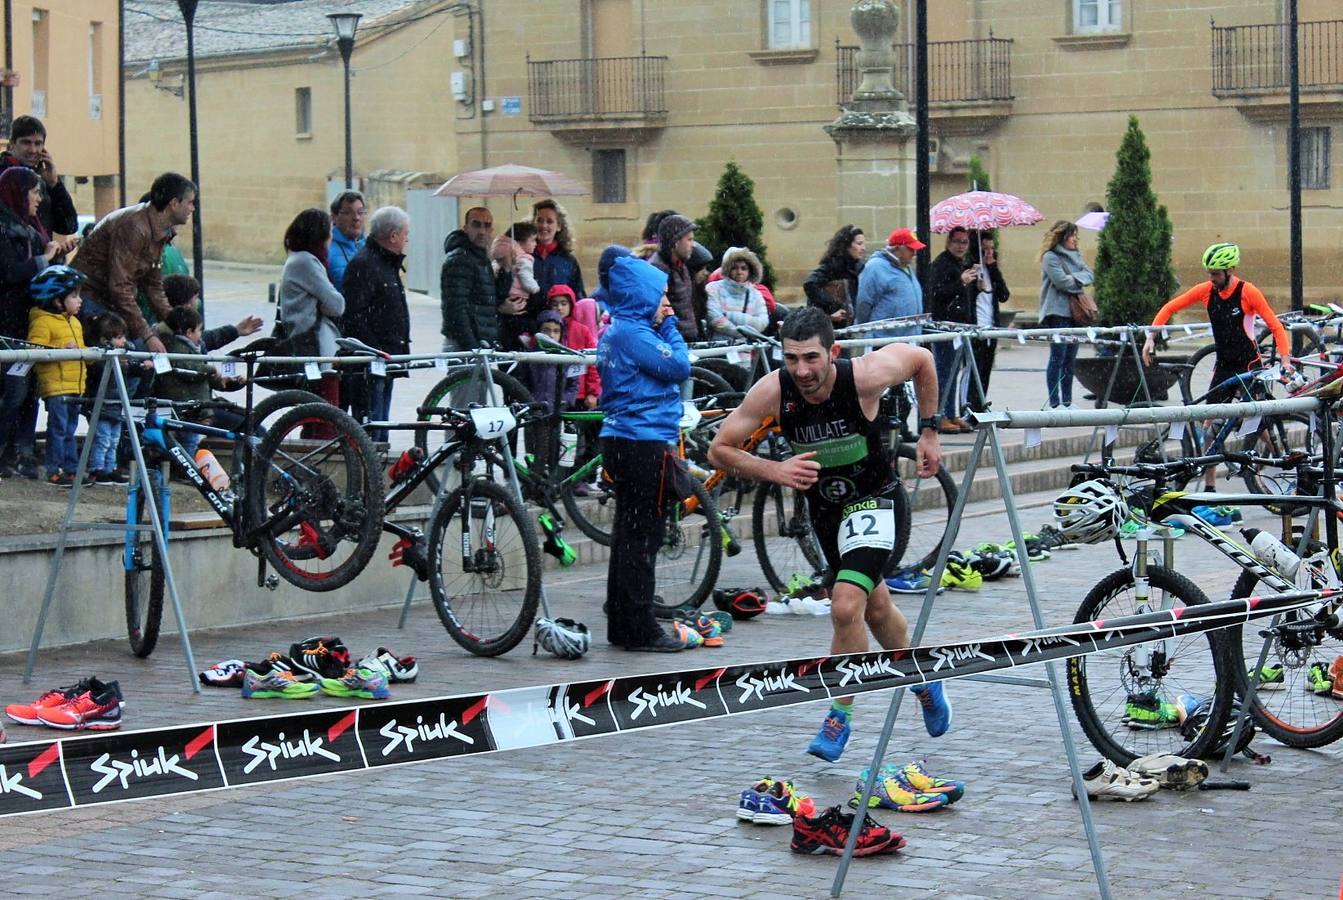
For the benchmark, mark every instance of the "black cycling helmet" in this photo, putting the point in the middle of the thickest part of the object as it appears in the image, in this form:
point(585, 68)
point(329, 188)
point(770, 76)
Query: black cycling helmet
point(55, 282)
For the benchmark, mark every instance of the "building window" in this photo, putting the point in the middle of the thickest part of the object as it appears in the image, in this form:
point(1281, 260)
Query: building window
point(303, 112)
point(1315, 159)
point(608, 176)
point(41, 66)
point(1090, 16)
point(789, 23)
point(95, 70)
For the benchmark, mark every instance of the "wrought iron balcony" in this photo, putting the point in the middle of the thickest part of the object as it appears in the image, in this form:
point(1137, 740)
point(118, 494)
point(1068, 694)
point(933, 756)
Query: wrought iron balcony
point(1249, 59)
point(626, 93)
point(959, 72)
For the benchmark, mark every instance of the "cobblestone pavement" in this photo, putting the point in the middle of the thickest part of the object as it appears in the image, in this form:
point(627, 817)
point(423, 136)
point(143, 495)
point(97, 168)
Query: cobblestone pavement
point(652, 814)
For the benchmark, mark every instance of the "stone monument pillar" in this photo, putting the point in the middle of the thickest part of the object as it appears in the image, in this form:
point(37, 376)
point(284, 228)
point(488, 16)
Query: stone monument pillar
point(874, 136)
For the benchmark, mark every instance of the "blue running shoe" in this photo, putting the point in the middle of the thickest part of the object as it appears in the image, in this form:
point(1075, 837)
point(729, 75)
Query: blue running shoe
point(1213, 515)
point(834, 734)
point(936, 708)
point(910, 581)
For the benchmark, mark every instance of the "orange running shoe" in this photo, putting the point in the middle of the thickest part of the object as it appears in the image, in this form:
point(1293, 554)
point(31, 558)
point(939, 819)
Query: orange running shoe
point(26, 713)
point(97, 709)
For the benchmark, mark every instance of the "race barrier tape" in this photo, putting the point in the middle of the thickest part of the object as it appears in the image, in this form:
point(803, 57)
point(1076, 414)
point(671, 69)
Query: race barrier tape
point(39, 776)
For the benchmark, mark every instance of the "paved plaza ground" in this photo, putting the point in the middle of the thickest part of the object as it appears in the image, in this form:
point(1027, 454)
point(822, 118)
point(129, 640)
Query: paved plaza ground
point(652, 814)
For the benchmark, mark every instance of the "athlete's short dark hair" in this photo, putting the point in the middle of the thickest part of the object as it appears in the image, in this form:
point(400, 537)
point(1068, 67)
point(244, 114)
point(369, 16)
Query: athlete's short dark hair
point(807, 323)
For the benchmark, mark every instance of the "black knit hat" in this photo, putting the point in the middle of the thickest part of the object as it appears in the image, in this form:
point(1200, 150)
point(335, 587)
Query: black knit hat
point(673, 228)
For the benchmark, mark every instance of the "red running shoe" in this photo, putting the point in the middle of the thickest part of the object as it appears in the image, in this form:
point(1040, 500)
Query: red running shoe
point(828, 832)
point(26, 713)
point(97, 709)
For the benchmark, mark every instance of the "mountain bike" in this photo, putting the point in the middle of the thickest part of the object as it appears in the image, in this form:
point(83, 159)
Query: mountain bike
point(1133, 701)
point(309, 507)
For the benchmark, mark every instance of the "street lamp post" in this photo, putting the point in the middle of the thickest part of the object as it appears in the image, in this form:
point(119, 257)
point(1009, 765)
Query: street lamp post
point(346, 24)
point(188, 8)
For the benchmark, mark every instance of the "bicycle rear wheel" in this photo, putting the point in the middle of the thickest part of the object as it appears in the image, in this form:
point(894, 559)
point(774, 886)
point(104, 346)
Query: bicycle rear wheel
point(928, 505)
point(1277, 437)
point(785, 542)
point(1290, 712)
point(143, 567)
point(316, 493)
point(690, 556)
point(1126, 699)
point(268, 409)
point(595, 513)
point(462, 387)
point(484, 568)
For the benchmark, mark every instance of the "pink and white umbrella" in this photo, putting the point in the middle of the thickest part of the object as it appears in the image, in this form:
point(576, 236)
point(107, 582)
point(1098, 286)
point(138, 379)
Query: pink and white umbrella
point(981, 211)
point(511, 181)
point(1093, 221)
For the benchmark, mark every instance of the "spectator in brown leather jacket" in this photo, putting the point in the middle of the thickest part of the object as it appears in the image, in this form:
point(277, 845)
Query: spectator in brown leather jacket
point(125, 251)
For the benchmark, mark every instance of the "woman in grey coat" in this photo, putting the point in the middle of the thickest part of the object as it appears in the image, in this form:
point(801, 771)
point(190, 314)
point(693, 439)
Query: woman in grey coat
point(310, 305)
point(1062, 274)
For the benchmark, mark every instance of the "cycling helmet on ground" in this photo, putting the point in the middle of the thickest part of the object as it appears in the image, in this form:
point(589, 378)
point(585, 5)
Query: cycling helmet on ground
point(54, 282)
point(1196, 719)
point(1221, 256)
point(740, 603)
point(1090, 512)
point(565, 638)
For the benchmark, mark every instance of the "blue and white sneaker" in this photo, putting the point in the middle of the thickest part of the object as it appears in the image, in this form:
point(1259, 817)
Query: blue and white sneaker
point(936, 708)
point(911, 581)
point(771, 802)
point(834, 734)
point(1213, 515)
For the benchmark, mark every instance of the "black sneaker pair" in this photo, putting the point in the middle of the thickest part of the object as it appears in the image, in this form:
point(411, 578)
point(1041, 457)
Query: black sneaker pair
point(320, 657)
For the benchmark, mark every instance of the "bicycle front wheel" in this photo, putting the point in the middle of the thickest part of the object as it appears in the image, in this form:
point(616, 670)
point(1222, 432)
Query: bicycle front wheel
point(927, 515)
point(315, 494)
point(690, 556)
point(1130, 700)
point(459, 389)
point(484, 568)
point(1297, 710)
point(144, 570)
point(785, 542)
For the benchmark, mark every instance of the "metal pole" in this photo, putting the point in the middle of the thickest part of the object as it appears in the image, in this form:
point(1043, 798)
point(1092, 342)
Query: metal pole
point(345, 48)
point(121, 103)
point(1294, 163)
point(7, 92)
point(188, 8)
point(921, 188)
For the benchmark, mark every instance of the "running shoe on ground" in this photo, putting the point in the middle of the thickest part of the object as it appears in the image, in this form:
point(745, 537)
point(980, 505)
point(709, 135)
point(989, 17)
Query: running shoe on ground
point(357, 682)
point(1148, 711)
point(687, 635)
point(1318, 679)
point(400, 669)
point(1212, 516)
point(1035, 552)
point(987, 548)
point(911, 581)
point(228, 673)
point(1231, 512)
point(1271, 677)
point(26, 713)
point(264, 681)
point(1336, 672)
point(888, 793)
point(936, 708)
point(709, 630)
point(960, 575)
point(800, 585)
point(320, 657)
point(916, 778)
point(1107, 781)
point(771, 802)
point(1051, 539)
point(1170, 771)
point(834, 734)
point(96, 709)
point(724, 619)
point(828, 833)
point(991, 566)
point(1131, 527)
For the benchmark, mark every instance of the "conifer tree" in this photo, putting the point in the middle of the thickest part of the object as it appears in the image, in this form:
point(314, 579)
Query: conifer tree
point(979, 181)
point(734, 219)
point(1133, 263)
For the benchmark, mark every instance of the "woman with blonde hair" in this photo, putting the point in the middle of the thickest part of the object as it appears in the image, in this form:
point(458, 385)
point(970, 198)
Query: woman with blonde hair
point(554, 258)
point(1062, 274)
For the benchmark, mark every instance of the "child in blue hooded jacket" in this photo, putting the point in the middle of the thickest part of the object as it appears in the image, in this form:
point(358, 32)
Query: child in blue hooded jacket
point(643, 360)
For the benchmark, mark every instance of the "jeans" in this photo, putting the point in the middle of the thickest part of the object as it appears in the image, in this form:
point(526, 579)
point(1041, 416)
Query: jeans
point(984, 352)
point(370, 399)
point(106, 435)
point(946, 359)
point(62, 449)
point(18, 416)
point(636, 467)
point(1062, 360)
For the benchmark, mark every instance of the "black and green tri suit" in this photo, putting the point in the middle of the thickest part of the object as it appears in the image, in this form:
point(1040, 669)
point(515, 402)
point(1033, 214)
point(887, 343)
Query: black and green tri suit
point(854, 468)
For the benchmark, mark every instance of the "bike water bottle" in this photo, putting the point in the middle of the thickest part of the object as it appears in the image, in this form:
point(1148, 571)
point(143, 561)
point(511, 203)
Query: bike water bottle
point(1272, 551)
point(405, 463)
point(212, 470)
point(568, 446)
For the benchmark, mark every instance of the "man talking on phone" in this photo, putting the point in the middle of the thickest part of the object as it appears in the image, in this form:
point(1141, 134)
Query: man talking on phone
point(28, 147)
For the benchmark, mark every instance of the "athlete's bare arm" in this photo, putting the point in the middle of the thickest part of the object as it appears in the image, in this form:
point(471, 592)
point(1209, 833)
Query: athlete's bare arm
point(799, 472)
point(895, 364)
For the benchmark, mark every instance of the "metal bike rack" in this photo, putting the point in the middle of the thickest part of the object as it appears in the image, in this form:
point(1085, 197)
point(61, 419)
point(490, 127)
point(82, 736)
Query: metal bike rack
point(156, 525)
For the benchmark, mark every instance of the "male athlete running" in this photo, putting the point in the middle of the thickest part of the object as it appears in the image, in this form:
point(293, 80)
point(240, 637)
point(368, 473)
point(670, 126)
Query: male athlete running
point(827, 408)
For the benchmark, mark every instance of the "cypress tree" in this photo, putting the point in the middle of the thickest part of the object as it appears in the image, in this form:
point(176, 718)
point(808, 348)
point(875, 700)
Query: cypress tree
point(1134, 276)
point(734, 219)
point(978, 180)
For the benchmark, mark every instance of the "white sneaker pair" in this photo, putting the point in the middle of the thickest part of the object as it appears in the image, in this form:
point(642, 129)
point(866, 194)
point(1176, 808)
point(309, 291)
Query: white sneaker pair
point(1170, 771)
point(1107, 781)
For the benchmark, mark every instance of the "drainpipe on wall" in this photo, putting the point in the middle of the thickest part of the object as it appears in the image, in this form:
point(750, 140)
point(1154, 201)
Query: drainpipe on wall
point(7, 92)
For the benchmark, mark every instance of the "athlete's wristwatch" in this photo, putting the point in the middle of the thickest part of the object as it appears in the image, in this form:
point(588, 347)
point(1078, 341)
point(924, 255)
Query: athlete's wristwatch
point(933, 422)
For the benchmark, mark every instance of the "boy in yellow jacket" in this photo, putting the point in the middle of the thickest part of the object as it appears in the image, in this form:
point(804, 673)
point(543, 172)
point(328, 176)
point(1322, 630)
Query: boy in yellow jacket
point(54, 323)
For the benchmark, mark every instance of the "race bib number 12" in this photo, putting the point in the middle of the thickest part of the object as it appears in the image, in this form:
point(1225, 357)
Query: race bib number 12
point(868, 523)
